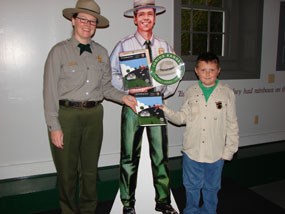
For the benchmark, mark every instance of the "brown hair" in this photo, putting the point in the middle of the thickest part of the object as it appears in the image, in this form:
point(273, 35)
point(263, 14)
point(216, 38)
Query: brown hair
point(208, 57)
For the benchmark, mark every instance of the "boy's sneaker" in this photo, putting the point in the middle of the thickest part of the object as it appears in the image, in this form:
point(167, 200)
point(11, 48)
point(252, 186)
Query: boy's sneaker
point(165, 208)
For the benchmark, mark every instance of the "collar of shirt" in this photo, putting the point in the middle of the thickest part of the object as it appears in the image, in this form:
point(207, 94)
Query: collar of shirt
point(75, 44)
point(141, 40)
point(207, 91)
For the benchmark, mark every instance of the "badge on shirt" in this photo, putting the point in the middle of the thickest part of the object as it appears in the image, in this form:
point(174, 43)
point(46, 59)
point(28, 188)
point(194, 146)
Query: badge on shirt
point(99, 58)
point(219, 105)
point(160, 51)
point(72, 64)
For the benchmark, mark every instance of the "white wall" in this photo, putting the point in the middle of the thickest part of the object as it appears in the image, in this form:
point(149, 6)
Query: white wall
point(28, 29)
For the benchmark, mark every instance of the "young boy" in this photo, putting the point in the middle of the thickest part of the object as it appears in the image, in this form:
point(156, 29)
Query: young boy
point(210, 137)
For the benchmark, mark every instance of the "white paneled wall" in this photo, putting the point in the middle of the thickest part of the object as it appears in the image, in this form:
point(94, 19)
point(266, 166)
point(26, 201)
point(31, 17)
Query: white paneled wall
point(28, 29)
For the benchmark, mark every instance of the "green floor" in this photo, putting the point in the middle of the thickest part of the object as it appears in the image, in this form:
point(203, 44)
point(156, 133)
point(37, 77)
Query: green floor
point(251, 166)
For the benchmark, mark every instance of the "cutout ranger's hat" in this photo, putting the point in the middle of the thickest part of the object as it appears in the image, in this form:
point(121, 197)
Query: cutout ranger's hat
point(140, 4)
point(166, 68)
point(87, 6)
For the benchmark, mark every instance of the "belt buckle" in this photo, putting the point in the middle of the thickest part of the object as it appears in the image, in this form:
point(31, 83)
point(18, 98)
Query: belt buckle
point(83, 104)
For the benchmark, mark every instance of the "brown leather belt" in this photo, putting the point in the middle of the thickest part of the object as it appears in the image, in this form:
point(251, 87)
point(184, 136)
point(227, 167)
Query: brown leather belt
point(82, 105)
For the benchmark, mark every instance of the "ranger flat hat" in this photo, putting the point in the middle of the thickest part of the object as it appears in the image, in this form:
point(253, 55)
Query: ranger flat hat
point(87, 6)
point(140, 4)
point(166, 68)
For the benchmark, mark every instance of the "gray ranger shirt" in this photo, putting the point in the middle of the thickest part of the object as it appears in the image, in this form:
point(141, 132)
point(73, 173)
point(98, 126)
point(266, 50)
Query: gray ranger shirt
point(71, 76)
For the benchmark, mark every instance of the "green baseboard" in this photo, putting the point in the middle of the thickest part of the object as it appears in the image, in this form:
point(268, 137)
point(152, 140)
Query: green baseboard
point(251, 166)
point(254, 171)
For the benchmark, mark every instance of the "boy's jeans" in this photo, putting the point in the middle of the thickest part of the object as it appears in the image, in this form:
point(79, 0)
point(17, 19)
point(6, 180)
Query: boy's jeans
point(201, 176)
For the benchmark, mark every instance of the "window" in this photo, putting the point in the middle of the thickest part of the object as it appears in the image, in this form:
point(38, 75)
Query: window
point(202, 27)
point(280, 65)
point(232, 29)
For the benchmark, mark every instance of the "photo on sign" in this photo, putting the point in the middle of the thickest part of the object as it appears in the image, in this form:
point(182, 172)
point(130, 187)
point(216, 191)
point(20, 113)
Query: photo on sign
point(135, 69)
point(149, 113)
point(167, 69)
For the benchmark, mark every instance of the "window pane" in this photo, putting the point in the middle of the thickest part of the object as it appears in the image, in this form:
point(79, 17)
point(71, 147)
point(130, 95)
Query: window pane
point(215, 3)
point(216, 24)
point(216, 44)
point(199, 43)
point(198, 2)
point(185, 41)
point(200, 20)
point(185, 1)
point(185, 20)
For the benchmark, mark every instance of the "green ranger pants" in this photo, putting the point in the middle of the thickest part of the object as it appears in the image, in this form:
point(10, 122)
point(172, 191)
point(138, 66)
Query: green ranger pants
point(131, 139)
point(77, 162)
